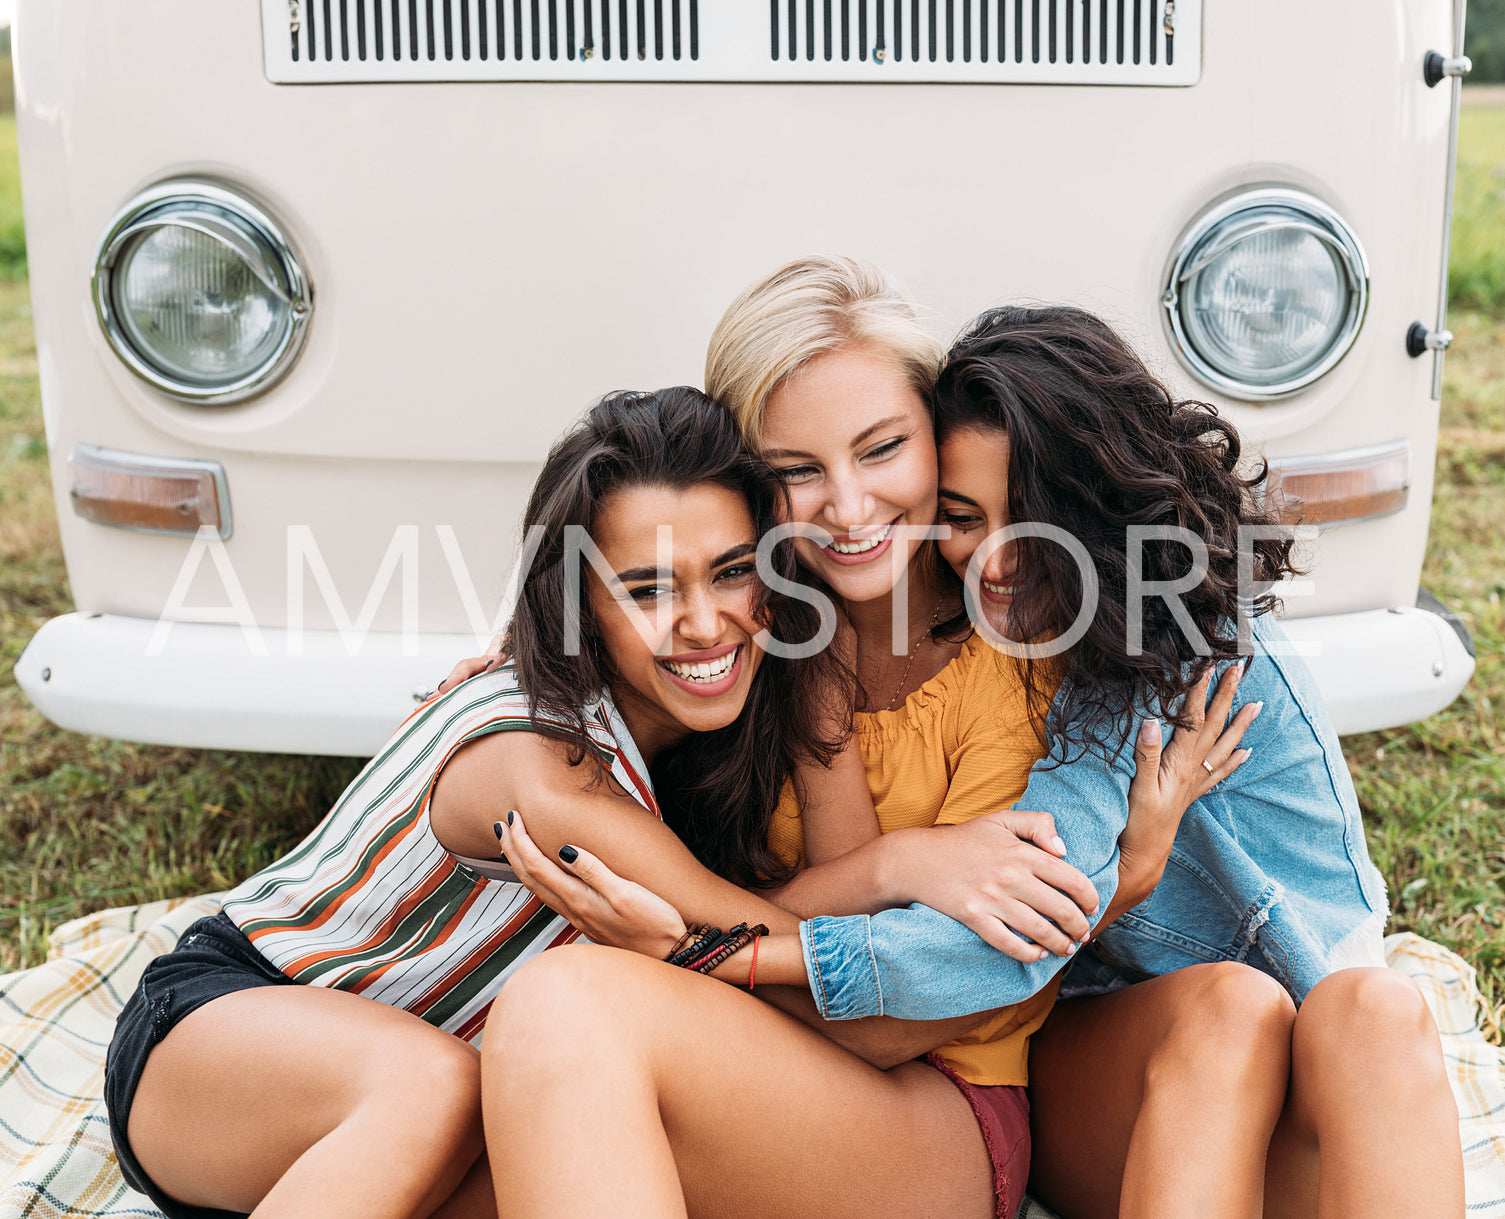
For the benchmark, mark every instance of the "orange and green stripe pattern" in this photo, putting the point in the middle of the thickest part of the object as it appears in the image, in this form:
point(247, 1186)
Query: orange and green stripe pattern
point(372, 903)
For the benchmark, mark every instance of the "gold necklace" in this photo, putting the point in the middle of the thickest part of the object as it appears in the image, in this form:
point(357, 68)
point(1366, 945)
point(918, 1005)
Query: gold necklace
point(909, 664)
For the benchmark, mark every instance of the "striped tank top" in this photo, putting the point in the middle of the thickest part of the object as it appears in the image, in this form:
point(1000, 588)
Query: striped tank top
point(370, 902)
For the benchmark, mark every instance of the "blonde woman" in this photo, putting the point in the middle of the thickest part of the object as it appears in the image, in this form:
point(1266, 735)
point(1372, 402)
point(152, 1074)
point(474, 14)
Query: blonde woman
point(692, 1099)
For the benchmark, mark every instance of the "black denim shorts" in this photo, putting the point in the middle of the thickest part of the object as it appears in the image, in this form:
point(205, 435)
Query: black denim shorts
point(213, 958)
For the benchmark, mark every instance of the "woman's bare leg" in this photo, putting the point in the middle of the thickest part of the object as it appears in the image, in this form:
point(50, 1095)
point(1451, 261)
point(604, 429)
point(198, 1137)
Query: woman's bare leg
point(1369, 1104)
point(297, 1100)
point(474, 1197)
point(615, 1085)
point(1160, 1099)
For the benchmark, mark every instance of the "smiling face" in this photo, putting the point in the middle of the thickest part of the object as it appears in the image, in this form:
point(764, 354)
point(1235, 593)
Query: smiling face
point(684, 662)
point(974, 502)
point(852, 441)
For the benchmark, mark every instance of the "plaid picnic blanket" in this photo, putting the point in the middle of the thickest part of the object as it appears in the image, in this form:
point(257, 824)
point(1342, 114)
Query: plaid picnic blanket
point(56, 1021)
point(55, 1024)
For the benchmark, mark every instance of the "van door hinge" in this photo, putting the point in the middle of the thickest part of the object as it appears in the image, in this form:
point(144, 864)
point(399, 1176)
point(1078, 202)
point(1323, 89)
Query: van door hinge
point(1436, 68)
point(1420, 340)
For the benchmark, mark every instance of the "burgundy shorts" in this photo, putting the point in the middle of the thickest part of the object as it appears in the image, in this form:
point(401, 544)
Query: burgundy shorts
point(1003, 1114)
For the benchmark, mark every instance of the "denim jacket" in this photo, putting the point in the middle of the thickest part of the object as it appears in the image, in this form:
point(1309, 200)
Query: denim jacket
point(1269, 868)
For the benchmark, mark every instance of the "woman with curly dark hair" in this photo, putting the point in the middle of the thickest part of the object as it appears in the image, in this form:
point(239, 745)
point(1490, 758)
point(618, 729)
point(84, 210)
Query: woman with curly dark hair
point(1045, 415)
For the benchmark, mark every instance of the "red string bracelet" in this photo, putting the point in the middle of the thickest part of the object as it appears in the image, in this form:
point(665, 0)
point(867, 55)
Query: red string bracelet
point(752, 971)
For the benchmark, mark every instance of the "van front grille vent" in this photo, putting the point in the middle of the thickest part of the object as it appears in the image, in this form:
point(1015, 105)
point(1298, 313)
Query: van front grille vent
point(1128, 42)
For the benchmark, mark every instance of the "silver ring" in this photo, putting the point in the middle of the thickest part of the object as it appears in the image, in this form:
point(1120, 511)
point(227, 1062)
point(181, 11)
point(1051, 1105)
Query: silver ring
point(1206, 766)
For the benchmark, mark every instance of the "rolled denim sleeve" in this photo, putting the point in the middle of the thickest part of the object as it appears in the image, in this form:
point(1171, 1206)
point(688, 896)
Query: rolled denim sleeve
point(918, 964)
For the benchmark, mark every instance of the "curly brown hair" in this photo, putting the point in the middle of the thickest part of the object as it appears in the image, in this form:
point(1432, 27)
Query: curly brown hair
point(1098, 445)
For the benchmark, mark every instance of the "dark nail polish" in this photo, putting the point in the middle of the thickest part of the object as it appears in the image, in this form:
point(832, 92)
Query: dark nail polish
point(510, 814)
point(497, 827)
point(568, 854)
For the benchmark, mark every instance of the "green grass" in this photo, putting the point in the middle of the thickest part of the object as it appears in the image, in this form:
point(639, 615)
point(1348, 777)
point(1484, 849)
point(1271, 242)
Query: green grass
point(12, 230)
point(1434, 793)
point(86, 824)
point(1476, 269)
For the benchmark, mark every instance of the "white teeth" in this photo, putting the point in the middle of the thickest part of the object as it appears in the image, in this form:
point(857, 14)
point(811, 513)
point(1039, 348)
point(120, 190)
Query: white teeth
point(703, 670)
point(866, 544)
point(1000, 590)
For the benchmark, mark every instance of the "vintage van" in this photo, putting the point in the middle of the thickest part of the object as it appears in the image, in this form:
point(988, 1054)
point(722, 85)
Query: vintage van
point(316, 282)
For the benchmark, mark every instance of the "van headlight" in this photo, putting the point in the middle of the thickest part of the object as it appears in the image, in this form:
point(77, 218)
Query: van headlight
point(1266, 293)
point(200, 293)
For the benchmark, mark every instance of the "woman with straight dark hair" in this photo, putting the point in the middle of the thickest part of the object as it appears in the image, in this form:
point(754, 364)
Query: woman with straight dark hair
point(251, 1070)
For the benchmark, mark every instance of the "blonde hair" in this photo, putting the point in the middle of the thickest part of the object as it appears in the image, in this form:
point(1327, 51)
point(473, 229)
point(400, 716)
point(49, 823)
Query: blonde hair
point(805, 309)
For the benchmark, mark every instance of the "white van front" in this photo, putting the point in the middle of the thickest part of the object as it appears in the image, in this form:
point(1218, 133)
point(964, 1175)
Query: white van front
point(316, 284)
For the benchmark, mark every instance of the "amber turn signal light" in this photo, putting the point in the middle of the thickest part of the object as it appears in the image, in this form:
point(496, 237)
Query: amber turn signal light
point(1340, 488)
point(148, 494)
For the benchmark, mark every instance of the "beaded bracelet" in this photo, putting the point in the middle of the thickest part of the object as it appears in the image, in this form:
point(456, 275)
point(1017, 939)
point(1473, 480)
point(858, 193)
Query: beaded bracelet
point(719, 952)
point(706, 948)
point(745, 936)
point(712, 962)
point(691, 931)
point(703, 939)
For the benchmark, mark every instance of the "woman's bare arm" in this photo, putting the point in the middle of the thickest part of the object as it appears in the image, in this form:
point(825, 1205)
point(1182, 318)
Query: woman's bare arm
point(836, 807)
point(582, 806)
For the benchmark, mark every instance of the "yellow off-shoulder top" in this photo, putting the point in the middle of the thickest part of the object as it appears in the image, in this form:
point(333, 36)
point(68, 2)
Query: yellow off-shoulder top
point(960, 746)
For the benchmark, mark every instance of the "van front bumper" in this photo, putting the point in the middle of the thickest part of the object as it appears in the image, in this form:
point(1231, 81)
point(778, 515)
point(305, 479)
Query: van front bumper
point(207, 686)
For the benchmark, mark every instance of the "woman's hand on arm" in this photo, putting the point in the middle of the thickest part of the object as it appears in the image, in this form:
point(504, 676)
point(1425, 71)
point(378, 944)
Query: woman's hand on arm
point(919, 964)
point(1001, 875)
point(1167, 782)
point(1004, 876)
point(620, 913)
point(580, 806)
point(472, 665)
point(595, 900)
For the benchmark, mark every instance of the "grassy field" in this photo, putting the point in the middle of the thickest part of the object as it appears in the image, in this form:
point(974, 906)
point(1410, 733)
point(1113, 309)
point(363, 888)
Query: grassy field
point(1476, 271)
point(12, 231)
point(1434, 792)
point(86, 823)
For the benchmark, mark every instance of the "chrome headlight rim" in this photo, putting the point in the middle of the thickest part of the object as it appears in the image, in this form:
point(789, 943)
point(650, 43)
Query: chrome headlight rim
point(1302, 210)
point(233, 211)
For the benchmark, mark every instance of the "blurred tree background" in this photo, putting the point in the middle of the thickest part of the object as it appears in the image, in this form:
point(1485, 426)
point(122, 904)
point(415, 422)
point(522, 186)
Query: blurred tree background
point(7, 76)
point(1484, 39)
